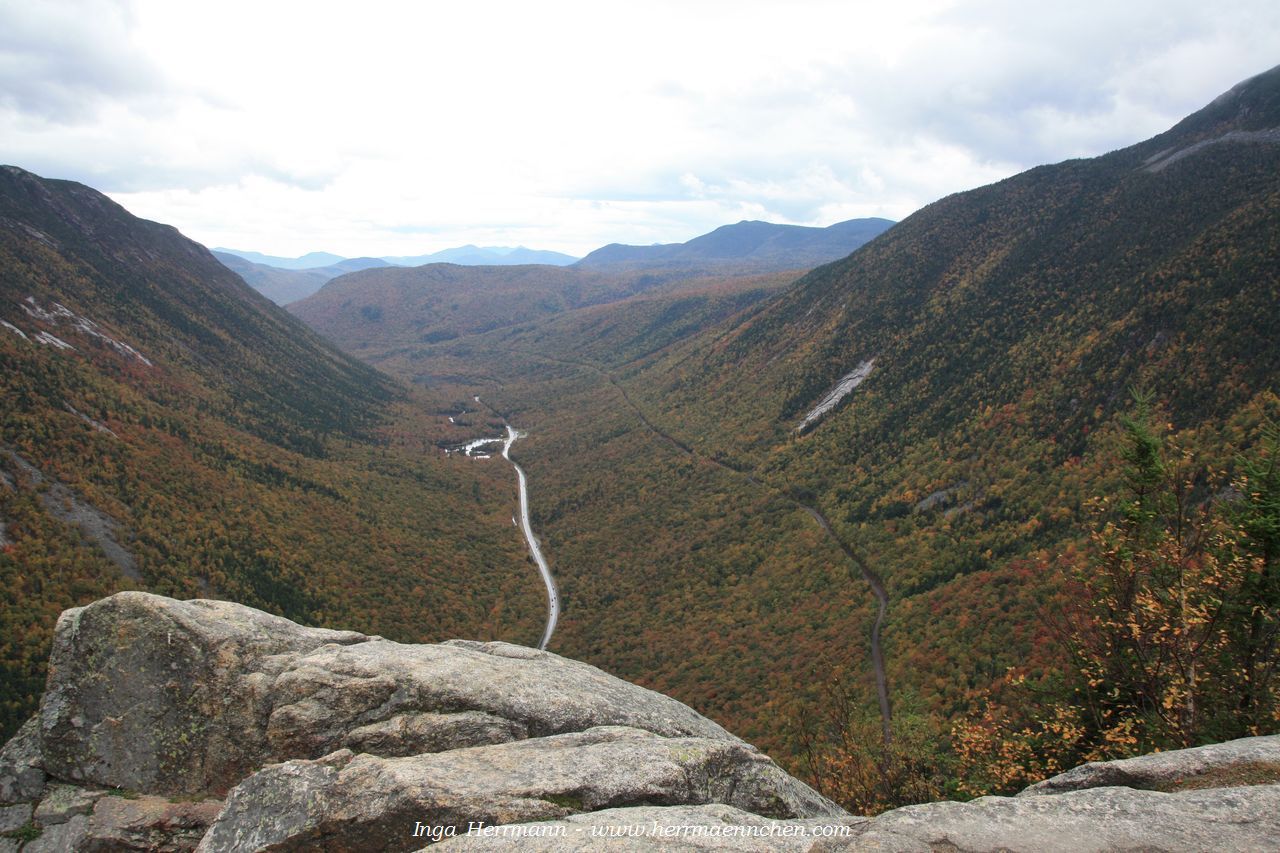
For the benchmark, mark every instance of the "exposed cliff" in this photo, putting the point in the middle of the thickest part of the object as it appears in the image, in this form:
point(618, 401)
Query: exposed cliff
point(207, 725)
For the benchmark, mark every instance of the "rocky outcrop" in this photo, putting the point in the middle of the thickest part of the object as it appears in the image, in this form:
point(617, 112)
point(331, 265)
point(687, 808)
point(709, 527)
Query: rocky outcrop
point(176, 726)
point(300, 805)
point(1247, 761)
point(163, 696)
point(650, 828)
point(1101, 819)
point(160, 696)
point(1098, 819)
point(341, 740)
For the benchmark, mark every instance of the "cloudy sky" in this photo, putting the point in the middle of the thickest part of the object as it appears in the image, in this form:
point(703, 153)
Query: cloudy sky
point(379, 128)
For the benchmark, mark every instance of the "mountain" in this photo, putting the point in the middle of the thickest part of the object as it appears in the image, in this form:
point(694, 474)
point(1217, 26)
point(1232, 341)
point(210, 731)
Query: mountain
point(310, 260)
point(468, 255)
point(379, 311)
point(763, 245)
point(283, 286)
point(396, 305)
point(392, 308)
point(714, 541)
point(167, 428)
point(998, 333)
point(487, 256)
point(1098, 250)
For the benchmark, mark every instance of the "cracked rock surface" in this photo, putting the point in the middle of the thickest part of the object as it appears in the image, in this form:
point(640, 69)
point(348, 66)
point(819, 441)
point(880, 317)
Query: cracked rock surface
point(301, 805)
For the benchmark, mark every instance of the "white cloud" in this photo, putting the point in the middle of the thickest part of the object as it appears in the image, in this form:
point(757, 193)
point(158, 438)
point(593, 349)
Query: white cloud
point(60, 61)
point(399, 128)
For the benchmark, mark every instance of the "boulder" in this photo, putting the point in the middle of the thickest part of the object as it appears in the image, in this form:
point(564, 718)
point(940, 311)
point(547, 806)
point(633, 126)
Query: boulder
point(1237, 762)
point(160, 696)
point(364, 802)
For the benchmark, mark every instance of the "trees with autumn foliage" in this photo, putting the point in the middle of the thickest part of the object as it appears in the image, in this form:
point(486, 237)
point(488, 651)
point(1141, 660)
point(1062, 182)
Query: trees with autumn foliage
point(1173, 637)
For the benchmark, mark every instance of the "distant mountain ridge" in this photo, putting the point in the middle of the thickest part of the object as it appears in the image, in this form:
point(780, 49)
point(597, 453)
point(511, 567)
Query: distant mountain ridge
point(286, 280)
point(746, 247)
point(486, 256)
point(468, 255)
point(311, 260)
point(761, 244)
point(283, 286)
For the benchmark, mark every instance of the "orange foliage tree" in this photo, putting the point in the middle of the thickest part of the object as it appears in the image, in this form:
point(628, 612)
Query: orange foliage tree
point(1173, 637)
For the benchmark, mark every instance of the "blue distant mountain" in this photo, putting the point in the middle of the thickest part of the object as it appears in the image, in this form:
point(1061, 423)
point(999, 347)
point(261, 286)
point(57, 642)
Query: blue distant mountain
point(758, 244)
point(747, 245)
point(311, 260)
point(470, 256)
point(282, 285)
point(486, 256)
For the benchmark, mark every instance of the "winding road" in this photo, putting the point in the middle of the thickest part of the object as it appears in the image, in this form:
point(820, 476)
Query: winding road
point(553, 594)
point(867, 574)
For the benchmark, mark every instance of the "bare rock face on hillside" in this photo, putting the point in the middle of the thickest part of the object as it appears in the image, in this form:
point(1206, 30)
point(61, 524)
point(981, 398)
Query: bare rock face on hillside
point(205, 725)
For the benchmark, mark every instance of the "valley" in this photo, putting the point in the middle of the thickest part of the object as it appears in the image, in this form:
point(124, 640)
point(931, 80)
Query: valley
point(706, 547)
point(839, 500)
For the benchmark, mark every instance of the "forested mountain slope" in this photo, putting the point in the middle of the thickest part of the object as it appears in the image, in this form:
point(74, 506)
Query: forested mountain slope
point(375, 313)
point(1004, 328)
point(1098, 272)
point(165, 427)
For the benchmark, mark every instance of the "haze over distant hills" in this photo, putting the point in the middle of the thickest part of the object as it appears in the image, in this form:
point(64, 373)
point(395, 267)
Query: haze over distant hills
point(436, 302)
point(283, 286)
point(285, 280)
point(310, 260)
point(485, 256)
point(746, 247)
point(468, 255)
point(761, 244)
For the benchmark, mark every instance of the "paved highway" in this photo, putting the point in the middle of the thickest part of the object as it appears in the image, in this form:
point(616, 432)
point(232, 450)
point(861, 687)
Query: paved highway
point(553, 595)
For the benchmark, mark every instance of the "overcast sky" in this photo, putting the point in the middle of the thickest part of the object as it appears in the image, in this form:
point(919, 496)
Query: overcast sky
point(380, 128)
